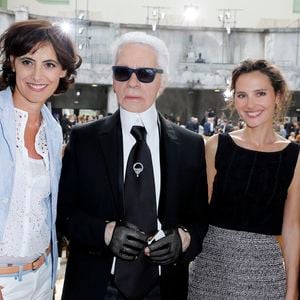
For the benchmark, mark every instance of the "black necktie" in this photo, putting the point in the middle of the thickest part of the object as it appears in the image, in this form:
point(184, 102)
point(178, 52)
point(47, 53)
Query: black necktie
point(136, 278)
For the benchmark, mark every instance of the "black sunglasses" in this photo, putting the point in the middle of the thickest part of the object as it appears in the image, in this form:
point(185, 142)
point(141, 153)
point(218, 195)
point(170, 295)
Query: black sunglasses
point(145, 75)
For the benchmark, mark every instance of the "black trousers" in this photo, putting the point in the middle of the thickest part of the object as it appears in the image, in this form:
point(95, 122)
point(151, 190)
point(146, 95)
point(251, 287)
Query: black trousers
point(113, 293)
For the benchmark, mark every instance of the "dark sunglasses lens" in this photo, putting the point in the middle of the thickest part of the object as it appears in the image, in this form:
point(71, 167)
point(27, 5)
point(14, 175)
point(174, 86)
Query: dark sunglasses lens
point(121, 73)
point(146, 75)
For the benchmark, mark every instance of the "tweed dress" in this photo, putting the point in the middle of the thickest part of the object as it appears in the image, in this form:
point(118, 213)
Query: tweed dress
point(241, 258)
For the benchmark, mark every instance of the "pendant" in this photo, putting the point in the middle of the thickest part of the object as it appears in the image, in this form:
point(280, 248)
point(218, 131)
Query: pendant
point(138, 168)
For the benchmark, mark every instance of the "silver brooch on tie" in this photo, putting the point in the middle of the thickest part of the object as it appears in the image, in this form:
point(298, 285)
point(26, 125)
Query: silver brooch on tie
point(138, 168)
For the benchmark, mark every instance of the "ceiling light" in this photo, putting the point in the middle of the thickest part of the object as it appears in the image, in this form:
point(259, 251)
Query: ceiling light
point(190, 12)
point(65, 26)
point(81, 16)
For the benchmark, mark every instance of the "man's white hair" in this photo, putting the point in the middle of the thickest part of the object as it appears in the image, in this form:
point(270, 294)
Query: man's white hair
point(138, 37)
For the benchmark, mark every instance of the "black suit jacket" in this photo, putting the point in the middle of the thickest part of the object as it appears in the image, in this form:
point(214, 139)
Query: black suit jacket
point(91, 194)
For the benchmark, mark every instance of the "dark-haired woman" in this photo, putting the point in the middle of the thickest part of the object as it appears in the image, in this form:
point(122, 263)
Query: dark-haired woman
point(252, 248)
point(38, 61)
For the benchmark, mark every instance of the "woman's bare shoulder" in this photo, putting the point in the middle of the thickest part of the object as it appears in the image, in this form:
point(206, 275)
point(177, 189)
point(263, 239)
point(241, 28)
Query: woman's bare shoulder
point(211, 144)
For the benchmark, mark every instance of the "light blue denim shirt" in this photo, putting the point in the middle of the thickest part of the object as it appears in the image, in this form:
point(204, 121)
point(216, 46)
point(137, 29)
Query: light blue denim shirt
point(7, 163)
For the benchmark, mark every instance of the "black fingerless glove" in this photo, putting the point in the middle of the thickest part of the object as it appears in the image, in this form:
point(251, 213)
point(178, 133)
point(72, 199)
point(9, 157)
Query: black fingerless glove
point(127, 241)
point(167, 249)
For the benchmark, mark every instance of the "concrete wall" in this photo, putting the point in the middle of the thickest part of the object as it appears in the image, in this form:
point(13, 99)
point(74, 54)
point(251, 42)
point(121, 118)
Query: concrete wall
point(191, 85)
point(221, 51)
point(6, 18)
point(250, 14)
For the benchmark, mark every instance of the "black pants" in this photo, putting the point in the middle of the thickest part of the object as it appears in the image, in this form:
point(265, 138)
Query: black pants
point(113, 293)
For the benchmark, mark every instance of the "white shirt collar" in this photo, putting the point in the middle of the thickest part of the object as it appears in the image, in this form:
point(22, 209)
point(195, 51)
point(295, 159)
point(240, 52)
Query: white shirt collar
point(148, 119)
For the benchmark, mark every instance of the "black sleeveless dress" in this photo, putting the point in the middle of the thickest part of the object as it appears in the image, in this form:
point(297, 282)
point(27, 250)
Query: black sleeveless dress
point(241, 258)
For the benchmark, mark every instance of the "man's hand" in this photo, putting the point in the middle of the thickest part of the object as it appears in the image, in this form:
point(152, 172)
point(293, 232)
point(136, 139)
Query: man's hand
point(127, 240)
point(167, 249)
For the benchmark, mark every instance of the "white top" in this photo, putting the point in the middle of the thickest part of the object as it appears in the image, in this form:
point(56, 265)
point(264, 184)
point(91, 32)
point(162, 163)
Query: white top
point(27, 235)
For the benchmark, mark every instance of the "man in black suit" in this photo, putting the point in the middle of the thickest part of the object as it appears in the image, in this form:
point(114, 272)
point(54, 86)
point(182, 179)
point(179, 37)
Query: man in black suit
point(91, 204)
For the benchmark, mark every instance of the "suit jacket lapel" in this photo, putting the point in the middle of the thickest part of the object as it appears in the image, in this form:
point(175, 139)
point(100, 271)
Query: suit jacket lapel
point(111, 146)
point(169, 153)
